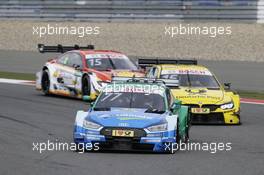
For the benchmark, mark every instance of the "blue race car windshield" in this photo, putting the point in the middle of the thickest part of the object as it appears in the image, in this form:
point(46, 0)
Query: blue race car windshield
point(152, 102)
point(192, 80)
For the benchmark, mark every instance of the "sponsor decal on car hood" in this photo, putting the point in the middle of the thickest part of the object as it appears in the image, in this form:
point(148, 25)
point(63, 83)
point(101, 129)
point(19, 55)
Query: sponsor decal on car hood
point(126, 73)
point(200, 95)
point(126, 117)
point(122, 73)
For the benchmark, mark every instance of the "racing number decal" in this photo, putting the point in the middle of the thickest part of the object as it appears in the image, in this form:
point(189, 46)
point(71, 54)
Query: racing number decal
point(95, 62)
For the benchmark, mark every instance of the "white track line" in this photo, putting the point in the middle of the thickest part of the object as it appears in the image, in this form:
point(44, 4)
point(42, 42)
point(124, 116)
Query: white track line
point(19, 82)
point(255, 103)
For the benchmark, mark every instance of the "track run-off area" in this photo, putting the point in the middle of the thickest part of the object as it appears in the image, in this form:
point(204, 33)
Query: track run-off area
point(27, 117)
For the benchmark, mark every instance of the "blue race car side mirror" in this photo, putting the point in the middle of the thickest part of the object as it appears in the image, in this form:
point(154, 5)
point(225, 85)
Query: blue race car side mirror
point(176, 105)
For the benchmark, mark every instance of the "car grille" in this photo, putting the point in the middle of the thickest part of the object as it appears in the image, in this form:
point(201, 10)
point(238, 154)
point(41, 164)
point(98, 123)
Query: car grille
point(107, 131)
point(124, 143)
point(212, 118)
point(211, 107)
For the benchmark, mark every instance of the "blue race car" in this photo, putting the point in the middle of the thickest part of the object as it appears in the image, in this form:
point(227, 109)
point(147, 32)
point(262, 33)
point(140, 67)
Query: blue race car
point(134, 115)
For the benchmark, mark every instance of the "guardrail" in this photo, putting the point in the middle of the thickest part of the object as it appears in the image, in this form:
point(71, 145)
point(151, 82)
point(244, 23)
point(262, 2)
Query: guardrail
point(111, 10)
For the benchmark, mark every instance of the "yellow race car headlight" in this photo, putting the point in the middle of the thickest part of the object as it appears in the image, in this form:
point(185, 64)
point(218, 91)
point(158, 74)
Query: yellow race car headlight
point(229, 105)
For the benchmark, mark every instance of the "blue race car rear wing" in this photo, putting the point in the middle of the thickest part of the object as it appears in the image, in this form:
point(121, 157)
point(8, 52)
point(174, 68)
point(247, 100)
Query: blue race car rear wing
point(61, 49)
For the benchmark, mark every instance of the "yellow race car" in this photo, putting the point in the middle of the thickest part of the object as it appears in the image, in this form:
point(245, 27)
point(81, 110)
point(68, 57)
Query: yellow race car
point(209, 101)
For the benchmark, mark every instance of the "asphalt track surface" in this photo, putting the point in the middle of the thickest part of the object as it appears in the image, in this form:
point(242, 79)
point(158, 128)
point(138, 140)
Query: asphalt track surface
point(242, 75)
point(27, 116)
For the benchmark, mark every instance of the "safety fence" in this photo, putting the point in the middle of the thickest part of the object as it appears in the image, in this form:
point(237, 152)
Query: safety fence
point(126, 10)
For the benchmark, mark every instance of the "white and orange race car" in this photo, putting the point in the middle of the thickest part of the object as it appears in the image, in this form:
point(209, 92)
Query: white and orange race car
point(81, 72)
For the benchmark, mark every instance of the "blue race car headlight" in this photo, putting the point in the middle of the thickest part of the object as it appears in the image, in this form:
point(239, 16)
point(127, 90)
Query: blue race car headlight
point(160, 127)
point(90, 125)
point(229, 105)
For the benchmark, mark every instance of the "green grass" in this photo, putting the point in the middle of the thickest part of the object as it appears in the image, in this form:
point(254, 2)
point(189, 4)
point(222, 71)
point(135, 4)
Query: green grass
point(29, 76)
point(18, 76)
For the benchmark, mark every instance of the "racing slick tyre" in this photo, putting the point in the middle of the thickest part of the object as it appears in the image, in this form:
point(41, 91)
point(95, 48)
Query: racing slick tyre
point(187, 136)
point(239, 117)
point(185, 139)
point(86, 86)
point(45, 82)
point(178, 137)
